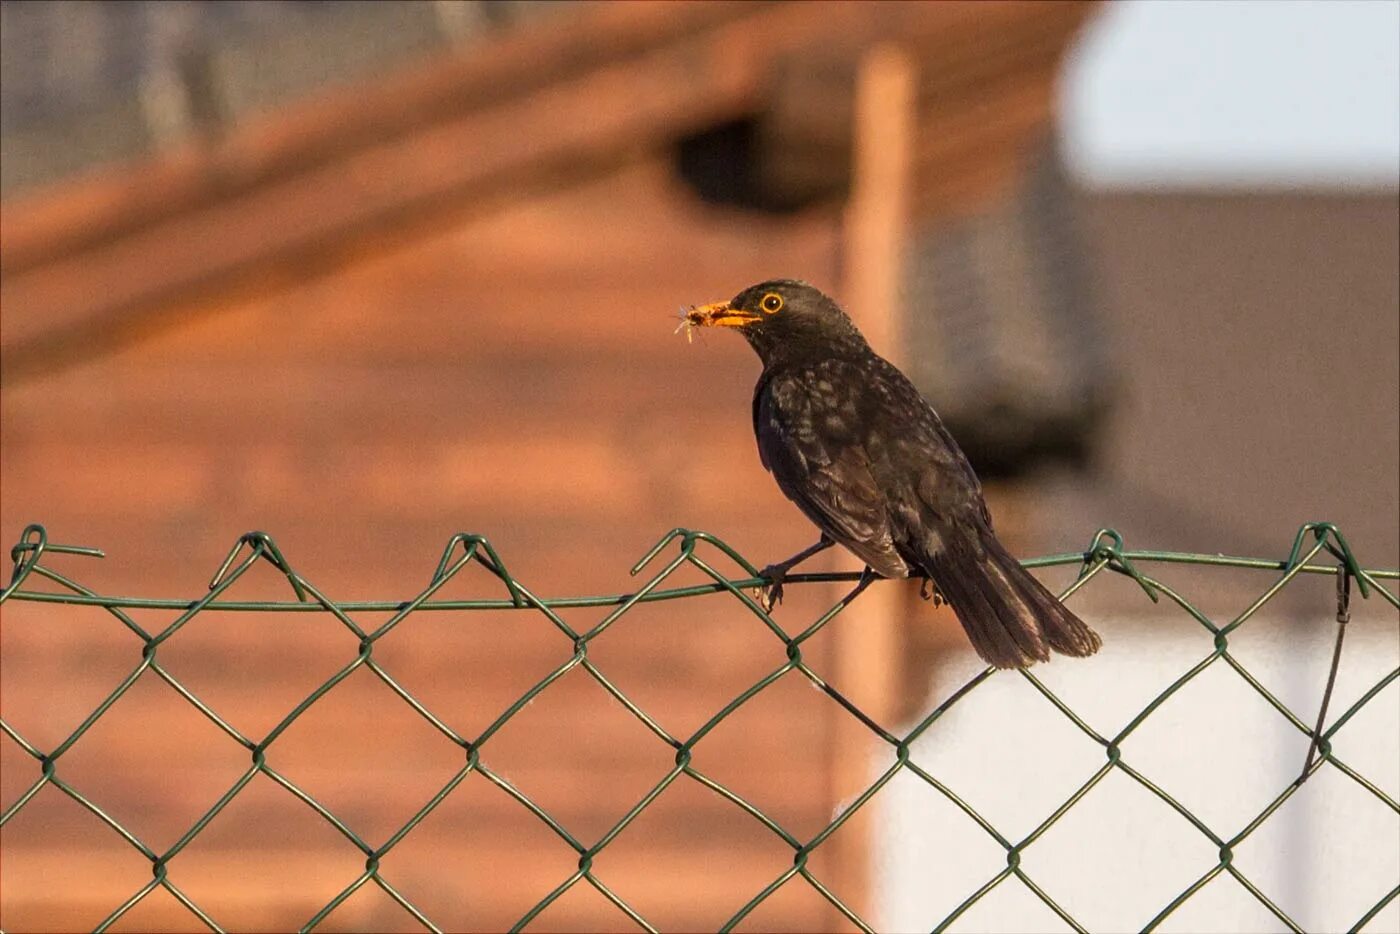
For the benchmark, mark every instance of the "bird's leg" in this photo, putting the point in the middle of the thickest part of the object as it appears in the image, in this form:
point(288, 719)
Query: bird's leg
point(928, 590)
point(771, 595)
point(867, 577)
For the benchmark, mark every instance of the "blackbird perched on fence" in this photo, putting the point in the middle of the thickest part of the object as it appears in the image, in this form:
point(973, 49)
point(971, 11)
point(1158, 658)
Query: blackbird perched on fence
point(858, 449)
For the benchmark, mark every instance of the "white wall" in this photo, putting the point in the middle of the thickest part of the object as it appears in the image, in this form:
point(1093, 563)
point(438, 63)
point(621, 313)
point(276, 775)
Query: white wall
point(1120, 855)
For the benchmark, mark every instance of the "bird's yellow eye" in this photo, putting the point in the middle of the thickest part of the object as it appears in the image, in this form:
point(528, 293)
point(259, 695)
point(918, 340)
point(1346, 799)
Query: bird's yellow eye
point(772, 303)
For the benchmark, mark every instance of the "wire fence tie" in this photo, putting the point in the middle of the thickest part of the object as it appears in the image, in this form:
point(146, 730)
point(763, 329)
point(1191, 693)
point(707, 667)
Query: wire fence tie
point(1112, 553)
point(724, 547)
point(473, 546)
point(263, 546)
point(661, 543)
point(1336, 543)
point(34, 541)
point(1343, 617)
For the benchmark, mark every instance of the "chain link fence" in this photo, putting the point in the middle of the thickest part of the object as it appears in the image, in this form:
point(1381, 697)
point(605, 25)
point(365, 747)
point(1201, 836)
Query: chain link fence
point(1318, 549)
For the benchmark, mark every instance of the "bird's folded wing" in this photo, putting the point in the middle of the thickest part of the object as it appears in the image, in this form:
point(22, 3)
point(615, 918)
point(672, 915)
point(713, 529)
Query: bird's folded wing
point(832, 483)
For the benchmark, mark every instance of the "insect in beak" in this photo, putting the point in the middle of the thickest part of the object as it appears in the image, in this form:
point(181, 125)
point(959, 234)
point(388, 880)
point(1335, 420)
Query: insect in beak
point(683, 314)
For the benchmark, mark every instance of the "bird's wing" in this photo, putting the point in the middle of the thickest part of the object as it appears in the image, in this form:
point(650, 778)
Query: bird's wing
point(915, 458)
point(808, 440)
point(932, 497)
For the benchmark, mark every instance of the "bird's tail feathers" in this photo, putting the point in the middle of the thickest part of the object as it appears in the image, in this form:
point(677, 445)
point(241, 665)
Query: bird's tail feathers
point(1011, 619)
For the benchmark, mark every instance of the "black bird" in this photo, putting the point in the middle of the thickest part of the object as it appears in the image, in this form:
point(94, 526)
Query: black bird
point(858, 449)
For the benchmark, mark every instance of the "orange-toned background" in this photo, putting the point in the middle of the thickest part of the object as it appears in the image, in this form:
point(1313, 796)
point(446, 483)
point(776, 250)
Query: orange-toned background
point(506, 365)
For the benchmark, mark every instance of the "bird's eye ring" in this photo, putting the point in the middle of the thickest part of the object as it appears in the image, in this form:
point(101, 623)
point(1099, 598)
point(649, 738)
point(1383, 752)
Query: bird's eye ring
point(772, 303)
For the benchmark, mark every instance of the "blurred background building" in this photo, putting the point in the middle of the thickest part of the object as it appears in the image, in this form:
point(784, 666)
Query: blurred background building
point(367, 274)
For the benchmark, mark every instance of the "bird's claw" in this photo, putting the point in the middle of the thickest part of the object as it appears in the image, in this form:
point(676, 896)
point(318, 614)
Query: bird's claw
point(771, 594)
point(929, 591)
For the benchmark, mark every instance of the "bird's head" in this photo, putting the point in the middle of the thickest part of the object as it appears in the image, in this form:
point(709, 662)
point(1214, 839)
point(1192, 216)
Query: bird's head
point(781, 317)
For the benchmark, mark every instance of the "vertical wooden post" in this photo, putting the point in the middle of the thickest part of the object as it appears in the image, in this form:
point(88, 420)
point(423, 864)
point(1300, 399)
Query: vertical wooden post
point(868, 637)
point(877, 213)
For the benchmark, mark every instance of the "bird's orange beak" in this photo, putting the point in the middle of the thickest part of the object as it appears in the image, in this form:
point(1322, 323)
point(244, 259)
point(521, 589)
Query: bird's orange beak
point(719, 315)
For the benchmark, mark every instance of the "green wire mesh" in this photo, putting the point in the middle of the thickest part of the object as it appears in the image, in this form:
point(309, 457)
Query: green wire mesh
point(1106, 552)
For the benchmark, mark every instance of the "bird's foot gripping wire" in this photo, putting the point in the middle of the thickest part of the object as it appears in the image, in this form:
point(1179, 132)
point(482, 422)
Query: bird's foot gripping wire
point(928, 590)
point(771, 594)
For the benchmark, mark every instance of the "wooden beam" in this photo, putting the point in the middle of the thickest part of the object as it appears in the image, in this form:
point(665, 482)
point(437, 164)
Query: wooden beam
point(968, 57)
point(867, 652)
point(82, 213)
point(351, 171)
point(58, 309)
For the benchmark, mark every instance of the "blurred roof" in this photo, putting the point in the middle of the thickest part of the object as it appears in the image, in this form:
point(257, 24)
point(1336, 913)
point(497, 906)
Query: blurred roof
point(242, 185)
point(86, 84)
point(298, 135)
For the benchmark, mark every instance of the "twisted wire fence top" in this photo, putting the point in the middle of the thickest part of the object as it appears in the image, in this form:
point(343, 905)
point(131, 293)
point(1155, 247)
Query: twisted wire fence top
point(1317, 549)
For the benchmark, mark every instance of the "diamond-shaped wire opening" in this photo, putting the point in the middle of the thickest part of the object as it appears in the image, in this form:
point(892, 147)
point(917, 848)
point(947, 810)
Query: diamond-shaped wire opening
point(1287, 644)
point(479, 860)
point(803, 603)
point(930, 854)
point(40, 646)
point(158, 910)
point(1289, 656)
point(579, 754)
point(1222, 904)
point(64, 869)
point(664, 862)
point(644, 653)
point(252, 668)
point(1119, 836)
point(1227, 774)
point(266, 861)
point(19, 770)
point(1146, 644)
point(846, 855)
point(1016, 733)
point(784, 726)
point(469, 666)
point(371, 908)
point(1009, 905)
point(580, 907)
point(366, 755)
point(155, 782)
point(1226, 592)
point(1311, 857)
point(821, 657)
point(1368, 741)
point(788, 908)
